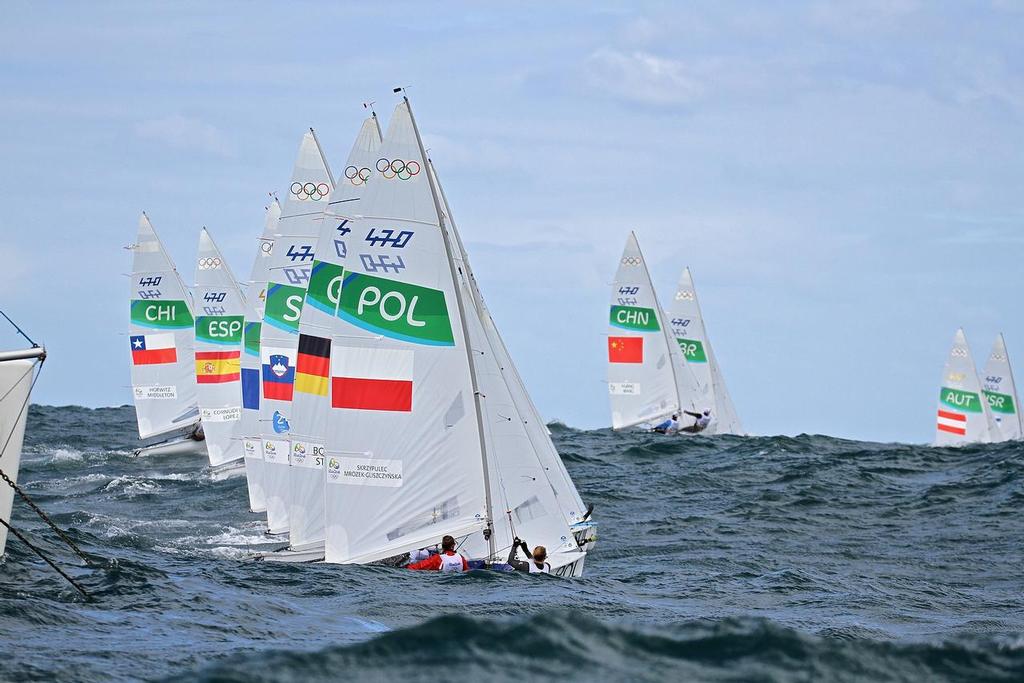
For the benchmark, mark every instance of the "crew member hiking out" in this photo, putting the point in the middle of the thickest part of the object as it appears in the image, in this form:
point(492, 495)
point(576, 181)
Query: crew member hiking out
point(538, 558)
point(702, 421)
point(670, 426)
point(445, 561)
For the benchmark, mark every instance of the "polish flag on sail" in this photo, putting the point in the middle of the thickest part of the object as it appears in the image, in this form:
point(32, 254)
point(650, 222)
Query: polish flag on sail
point(954, 423)
point(371, 379)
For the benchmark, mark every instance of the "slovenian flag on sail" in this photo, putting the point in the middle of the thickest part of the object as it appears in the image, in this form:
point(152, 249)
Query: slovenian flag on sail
point(371, 379)
point(313, 366)
point(625, 349)
point(216, 367)
point(153, 349)
point(953, 423)
point(278, 373)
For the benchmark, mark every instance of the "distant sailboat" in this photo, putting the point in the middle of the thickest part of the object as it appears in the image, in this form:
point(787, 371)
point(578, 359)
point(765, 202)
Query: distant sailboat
point(963, 415)
point(161, 347)
point(256, 296)
point(17, 371)
point(687, 325)
point(291, 264)
point(218, 329)
point(648, 376)
point(1001, 392)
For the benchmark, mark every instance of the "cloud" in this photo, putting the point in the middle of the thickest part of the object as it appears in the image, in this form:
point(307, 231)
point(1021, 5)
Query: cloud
point(182, 132)
point(643, 77)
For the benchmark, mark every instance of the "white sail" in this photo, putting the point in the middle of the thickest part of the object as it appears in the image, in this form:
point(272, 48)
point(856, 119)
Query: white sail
point(728, 420)
point(528, 480)
point(219, 326)
point(1001, 391)
point(689, 331)
point(311, 400)
point(291, 263)
point(404, 449)
point(160, 340)
point(641, 376)
point(963, 415)
point(16, 374)
point(252, 445)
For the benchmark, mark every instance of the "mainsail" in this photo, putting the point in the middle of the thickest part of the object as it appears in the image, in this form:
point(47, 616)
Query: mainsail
point(647, 374)
point(160, 340)
point(963, 415)
point(218, 330)
point(688, 328)
point(16, 376)
point(291, 263)
point(252, 445)
point(311, 398)
point(1001, 391)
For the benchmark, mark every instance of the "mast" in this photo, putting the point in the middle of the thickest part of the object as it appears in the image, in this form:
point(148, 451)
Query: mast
point(1013, 383)
point(661, 321)
point(488, 532)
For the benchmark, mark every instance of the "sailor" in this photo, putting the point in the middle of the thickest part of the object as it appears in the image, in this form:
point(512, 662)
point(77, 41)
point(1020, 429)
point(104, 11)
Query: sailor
point(198, 434)
point(538, 558)
point(702, 420)
point(669, 426)
point(446, 561)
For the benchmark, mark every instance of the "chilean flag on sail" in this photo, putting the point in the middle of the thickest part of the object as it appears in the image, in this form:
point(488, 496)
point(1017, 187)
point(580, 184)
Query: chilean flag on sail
point(153, 349)
point(371, 379)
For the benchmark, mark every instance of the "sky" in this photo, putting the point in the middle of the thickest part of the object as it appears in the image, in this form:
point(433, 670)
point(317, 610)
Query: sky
point(845, 180)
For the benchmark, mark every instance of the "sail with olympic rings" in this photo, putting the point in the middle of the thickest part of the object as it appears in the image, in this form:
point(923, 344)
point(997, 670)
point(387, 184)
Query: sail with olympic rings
point(256, 295)
point(963, 414)
point(290, 267)
point(219, 329)
point(1001, 391)
point(310, 399)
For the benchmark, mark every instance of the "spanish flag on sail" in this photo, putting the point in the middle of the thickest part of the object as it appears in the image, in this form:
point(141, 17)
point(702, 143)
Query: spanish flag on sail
point(313, 367)
point(215, 367)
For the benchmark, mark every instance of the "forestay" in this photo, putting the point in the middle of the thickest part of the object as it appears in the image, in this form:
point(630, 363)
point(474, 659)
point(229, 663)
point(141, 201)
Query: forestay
point(404, 449)
point(291, 263)
point(252, 445)
point(218, 329)
point(160, 340)
point(963, 416)
point(311, 399)
point(1001, 391)
point(728, 419)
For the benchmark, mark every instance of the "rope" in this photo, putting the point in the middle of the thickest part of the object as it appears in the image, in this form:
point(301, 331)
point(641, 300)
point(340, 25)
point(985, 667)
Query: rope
point(34, 345)
point(48, 561)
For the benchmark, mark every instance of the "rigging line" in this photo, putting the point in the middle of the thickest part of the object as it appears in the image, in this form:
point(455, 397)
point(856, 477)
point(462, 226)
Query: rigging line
point(48, 561)
point(18, 381)
point(22, 333)
point(20, 492)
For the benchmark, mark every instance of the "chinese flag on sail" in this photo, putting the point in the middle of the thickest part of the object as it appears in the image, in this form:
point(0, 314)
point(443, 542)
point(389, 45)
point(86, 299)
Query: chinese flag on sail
point(625, 349)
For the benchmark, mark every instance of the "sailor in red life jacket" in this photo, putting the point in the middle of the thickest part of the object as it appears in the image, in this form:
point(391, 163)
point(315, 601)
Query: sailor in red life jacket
point(446, 561)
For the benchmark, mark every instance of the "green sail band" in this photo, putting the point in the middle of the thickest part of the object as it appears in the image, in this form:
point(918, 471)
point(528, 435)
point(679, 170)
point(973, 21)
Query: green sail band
point(162, 315)
point(965, 401)
point(284, 305)
point(693, 350)
point(634, 318)
point(219, 329)
point(1000, 403)
point(252, 338)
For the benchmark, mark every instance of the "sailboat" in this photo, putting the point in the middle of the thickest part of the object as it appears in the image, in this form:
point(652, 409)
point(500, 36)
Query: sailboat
point(687, 324)
point(1001, 392)
point(252, 443)
point(648, 375)
point(426, 435)
point(291, 263)
point(17, 372)
point(963, 415)
point(218, 350)
point(310, 398)
point(160, 340)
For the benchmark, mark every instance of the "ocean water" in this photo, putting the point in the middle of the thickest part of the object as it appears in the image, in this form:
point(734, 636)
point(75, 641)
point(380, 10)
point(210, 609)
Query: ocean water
point(719, 558)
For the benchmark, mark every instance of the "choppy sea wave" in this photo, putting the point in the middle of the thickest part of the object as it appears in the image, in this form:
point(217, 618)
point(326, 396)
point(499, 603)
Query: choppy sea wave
point(720, 558)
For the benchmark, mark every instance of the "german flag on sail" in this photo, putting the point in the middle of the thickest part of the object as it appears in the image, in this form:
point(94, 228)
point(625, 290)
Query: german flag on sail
point(215, 367)
point(313, 366)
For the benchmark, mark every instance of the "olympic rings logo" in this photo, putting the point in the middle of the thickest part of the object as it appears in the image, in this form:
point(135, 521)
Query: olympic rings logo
point(959, 352)
point(398, 167)
point(210, 263)
point(358, 176)
point(684, 295)
point(631, 260)
point(314, 191)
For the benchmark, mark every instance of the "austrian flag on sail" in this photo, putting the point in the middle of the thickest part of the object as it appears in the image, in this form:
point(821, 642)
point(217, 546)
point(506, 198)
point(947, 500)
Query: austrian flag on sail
point(954, 423)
